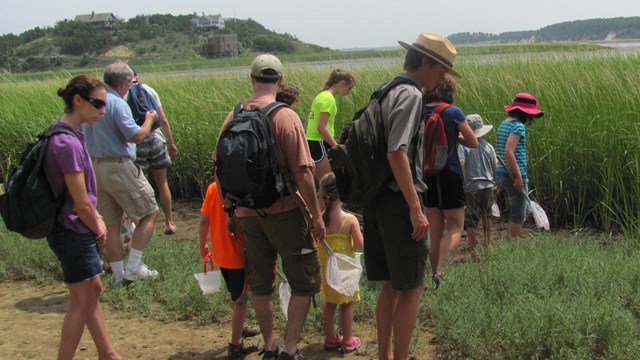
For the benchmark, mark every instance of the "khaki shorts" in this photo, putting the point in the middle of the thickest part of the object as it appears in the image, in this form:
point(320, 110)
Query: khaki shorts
point(479, 204)
point(122, 188)
point(288, 235)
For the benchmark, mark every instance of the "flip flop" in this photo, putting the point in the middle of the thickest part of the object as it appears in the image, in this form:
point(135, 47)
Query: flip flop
point(170, 232)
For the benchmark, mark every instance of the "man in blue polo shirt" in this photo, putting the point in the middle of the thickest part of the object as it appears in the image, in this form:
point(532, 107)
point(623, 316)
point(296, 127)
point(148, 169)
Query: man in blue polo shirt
point(122, 187)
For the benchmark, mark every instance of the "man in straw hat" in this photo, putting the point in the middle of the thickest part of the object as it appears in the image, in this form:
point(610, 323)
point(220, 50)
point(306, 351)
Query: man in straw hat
point(479, 169)
point(395, 226)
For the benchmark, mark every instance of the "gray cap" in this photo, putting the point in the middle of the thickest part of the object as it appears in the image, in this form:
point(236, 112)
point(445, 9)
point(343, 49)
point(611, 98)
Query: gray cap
point(266, 66)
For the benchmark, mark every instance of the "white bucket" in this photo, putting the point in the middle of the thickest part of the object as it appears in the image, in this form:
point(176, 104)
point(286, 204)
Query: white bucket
point(210, 282)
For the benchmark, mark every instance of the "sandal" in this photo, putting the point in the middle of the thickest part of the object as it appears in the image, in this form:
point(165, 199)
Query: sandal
point(250, 331)
point(245, 347)
point(352, 345)
point(270, 354)
point(332, 344)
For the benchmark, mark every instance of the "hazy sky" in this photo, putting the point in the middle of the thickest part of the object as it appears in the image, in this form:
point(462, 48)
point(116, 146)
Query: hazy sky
point(336, 24)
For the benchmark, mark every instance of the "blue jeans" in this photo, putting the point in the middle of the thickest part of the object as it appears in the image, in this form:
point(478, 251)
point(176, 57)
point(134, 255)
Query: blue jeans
point(518, 204)
point(78, 254)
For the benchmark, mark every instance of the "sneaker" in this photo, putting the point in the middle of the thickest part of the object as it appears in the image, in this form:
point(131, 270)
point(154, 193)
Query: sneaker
point(297, 356)
point(270, 354)
point(250, 331)
point(332, 344)
point(245, 347)
point(437, 279)
point(352, 345)
point(143, 273)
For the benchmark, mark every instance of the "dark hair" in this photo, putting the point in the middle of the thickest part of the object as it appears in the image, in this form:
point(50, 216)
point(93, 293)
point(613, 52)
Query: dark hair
point(288, 94)
point(338, 75)
point(444, 91)
point(522, 116)
point(328, 194)
point(413, 60)
point(82, 85)
point(264, 80)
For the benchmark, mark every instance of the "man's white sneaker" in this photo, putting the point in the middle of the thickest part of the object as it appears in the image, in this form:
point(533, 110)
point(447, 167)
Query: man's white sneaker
point(143, 273)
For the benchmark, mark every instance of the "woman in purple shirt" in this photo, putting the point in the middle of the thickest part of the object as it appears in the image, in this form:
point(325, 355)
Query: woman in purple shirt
point(80, 231)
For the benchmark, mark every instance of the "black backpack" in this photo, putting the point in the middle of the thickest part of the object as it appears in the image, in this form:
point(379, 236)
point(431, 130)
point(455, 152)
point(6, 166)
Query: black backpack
point(247, 160)
point(28, 205)
point(359, 160)
point(140, 101)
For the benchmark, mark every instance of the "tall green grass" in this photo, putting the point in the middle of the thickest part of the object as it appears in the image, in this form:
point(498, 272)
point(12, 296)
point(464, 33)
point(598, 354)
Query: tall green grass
point(583, 154)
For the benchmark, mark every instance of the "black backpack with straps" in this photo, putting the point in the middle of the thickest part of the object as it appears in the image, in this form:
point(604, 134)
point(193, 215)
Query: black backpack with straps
point(247, 160)
point(29, 205)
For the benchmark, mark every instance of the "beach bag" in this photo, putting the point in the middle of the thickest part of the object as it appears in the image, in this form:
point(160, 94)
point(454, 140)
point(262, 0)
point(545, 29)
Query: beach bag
point(359, 160)
point(247, 161)
point(436, 151)
point(29, 206)
point(343, 271)
point(141, 101)
point(209, 281)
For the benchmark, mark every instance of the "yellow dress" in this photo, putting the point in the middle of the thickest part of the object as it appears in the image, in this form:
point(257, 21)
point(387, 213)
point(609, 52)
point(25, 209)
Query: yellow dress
point(343, 244)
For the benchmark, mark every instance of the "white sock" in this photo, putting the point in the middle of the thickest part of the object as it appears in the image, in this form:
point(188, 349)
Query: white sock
point(135, 259)
point(117, 268)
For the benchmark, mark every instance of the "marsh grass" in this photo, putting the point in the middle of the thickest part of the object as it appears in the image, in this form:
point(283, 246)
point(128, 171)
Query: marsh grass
point(583, 154)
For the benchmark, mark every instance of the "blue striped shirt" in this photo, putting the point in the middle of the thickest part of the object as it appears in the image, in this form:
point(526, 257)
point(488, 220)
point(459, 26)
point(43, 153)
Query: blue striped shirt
point(508, 127)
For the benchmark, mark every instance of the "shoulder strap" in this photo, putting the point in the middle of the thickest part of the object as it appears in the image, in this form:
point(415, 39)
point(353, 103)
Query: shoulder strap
point(59, 130)
point(382, 92)
point(269, 108)
point(237, 109)
point(344, 222)
point(442, 107)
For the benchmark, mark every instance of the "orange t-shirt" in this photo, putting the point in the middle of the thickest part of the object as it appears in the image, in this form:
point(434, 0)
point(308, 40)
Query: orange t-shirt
point(228, 252)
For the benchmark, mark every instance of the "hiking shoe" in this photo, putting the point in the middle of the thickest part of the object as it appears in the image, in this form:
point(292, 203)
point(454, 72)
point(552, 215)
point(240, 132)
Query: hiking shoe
point(332, 344)
point(270, 354)
point(352, 345)
point(143, 273)
point(437, 280)
point(297, 356)
point(245, 347)
point(250, 331)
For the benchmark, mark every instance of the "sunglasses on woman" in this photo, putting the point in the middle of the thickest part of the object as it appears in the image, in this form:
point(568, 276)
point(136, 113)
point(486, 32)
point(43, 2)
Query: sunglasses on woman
point(96, 103)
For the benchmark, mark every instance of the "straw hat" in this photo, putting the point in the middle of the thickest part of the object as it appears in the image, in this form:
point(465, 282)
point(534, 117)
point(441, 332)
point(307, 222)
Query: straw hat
point(527, 103)
point(437, 47)
point(476, 124)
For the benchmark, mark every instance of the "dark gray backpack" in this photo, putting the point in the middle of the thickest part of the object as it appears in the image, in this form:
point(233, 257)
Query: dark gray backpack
point(247, 160)
point(29, 205)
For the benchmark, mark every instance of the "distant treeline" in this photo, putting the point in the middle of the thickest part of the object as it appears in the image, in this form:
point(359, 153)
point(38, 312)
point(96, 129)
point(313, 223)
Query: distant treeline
point(579, 30)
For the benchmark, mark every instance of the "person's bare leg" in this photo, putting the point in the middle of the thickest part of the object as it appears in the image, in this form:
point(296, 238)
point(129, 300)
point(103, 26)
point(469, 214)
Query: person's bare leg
point(143, 232)
point(238, 316)
point(328, 317)
point(296, 314)
point(436, 227)
point(113, 246)
point(472, 235)
point(404, 321)
point(454, 220)
point(322, 168)
point(164, 193)
point(264, 312)
point(514, 230)
point(385, 311)
point(346, 319)
point(95, 322)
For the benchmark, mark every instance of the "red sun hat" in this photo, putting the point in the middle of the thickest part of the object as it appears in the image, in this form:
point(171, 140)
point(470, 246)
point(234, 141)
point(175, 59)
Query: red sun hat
point(526, 103)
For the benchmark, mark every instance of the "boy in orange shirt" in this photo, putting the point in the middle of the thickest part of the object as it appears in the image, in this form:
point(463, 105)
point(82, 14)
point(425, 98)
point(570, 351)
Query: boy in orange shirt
point(228, 253)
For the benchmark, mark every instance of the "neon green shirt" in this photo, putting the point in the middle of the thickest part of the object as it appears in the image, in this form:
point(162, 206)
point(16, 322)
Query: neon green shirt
point(324, 102)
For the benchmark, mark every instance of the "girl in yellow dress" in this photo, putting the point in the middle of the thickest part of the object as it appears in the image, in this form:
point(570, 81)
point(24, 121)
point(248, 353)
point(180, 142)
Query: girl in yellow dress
point(343, 236)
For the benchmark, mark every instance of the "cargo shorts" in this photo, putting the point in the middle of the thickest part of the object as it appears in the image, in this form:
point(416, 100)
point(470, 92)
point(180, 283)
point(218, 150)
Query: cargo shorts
point(286, 234)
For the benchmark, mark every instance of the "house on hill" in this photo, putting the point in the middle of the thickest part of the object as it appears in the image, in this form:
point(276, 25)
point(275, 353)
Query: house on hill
point(208, 21)
point(104, 20)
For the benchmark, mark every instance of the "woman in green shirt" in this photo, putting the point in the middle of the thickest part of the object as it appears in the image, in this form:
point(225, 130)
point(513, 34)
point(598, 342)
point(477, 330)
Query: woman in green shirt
point(320, 127)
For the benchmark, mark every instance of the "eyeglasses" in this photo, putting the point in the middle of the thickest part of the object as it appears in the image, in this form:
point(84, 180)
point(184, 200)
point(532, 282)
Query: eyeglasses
point(96, 103)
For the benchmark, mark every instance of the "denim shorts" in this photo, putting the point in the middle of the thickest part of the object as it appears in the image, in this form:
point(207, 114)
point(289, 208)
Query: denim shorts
point(517, 201)
point(78, 254)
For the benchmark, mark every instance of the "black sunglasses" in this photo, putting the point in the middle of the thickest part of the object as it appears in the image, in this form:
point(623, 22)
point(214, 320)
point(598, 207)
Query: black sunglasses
point(96, 103)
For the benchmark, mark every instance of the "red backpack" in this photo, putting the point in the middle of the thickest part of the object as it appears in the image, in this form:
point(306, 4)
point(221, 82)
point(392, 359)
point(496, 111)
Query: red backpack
point(436, 151)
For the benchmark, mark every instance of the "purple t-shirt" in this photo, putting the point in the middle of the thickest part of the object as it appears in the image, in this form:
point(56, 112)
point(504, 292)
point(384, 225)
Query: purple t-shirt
point(68, 154)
